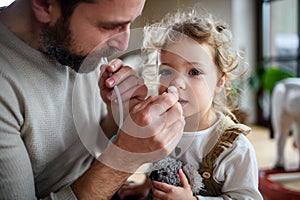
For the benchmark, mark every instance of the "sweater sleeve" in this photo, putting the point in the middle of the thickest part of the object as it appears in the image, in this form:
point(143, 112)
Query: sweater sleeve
point(16, 173)
point(16, 176)
point(238, 170)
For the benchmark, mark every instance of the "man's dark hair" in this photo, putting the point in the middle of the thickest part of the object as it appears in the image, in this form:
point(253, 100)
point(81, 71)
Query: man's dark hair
point(67, 6)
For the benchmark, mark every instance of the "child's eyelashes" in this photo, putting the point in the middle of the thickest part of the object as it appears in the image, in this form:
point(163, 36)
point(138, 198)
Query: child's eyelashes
point(194, 72)
point(169, 72)
point(165, 72)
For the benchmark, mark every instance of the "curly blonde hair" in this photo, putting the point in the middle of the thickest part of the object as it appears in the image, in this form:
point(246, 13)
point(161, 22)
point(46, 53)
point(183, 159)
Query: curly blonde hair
point(203, 28)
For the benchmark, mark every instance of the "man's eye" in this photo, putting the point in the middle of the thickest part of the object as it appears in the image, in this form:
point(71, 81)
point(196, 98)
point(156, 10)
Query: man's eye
point(109, 27)
point(114, 26)
point(194, 72)
point(165, 72)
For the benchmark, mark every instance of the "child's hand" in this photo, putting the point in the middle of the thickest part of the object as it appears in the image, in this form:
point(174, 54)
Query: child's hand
point(163, 191)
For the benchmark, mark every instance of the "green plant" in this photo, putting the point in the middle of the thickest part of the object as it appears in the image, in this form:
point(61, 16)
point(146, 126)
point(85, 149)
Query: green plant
point(267, 77)
point(272, 76)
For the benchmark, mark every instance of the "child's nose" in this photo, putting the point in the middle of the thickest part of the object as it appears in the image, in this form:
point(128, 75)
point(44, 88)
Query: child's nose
point(179, 82)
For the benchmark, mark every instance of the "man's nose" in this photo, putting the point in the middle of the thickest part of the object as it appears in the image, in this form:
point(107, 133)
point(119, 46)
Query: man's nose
point(120, 40)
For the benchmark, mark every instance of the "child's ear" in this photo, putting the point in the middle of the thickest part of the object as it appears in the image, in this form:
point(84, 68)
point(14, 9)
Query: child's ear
point(43, 10)
point(221, 83)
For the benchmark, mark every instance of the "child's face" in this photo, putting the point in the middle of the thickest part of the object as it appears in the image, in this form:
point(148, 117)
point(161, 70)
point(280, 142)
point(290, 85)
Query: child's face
point(189, 67)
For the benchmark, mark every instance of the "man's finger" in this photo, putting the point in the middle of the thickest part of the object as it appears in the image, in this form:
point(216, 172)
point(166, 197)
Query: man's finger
point(119, 75)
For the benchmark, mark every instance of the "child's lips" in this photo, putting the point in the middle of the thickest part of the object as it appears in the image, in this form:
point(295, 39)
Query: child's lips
point(182, 101)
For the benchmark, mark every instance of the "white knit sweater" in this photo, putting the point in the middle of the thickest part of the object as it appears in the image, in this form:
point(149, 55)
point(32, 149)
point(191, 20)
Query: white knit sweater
point(40, 151)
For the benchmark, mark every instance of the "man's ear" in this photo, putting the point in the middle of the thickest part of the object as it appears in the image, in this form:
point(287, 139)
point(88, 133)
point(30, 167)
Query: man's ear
point(43, 10)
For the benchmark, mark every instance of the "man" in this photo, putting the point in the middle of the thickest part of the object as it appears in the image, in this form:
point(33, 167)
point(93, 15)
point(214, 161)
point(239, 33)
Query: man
point(43, 43)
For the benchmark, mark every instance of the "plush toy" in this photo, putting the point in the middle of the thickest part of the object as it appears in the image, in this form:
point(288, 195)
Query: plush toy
point(166, 171)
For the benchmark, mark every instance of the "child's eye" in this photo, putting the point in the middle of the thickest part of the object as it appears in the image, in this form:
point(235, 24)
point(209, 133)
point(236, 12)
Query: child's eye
point(194, 72)
point(165, 72)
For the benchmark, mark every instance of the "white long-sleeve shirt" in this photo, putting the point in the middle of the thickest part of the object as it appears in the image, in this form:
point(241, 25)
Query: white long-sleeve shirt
point(236, 167)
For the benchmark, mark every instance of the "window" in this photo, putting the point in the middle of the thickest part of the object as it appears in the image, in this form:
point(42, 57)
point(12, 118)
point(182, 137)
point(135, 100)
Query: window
point(278, 48)
point(280, 34)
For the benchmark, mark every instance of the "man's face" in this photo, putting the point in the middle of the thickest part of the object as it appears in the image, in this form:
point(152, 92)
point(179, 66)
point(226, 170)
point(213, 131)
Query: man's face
point(104, 24)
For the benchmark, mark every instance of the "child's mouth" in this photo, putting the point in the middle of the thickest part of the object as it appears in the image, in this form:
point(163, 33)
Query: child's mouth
point(182, 101)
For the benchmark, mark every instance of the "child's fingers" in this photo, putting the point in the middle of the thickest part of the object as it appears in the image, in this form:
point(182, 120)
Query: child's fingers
point(162, 186)
point(184, 181)
point(158, 193)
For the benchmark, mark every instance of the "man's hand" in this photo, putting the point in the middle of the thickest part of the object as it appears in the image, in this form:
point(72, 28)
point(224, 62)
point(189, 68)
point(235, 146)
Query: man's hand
point(131, 86)
point(151, 131)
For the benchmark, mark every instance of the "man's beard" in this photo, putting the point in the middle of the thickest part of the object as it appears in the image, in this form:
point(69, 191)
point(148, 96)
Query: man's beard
point(57, 42)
